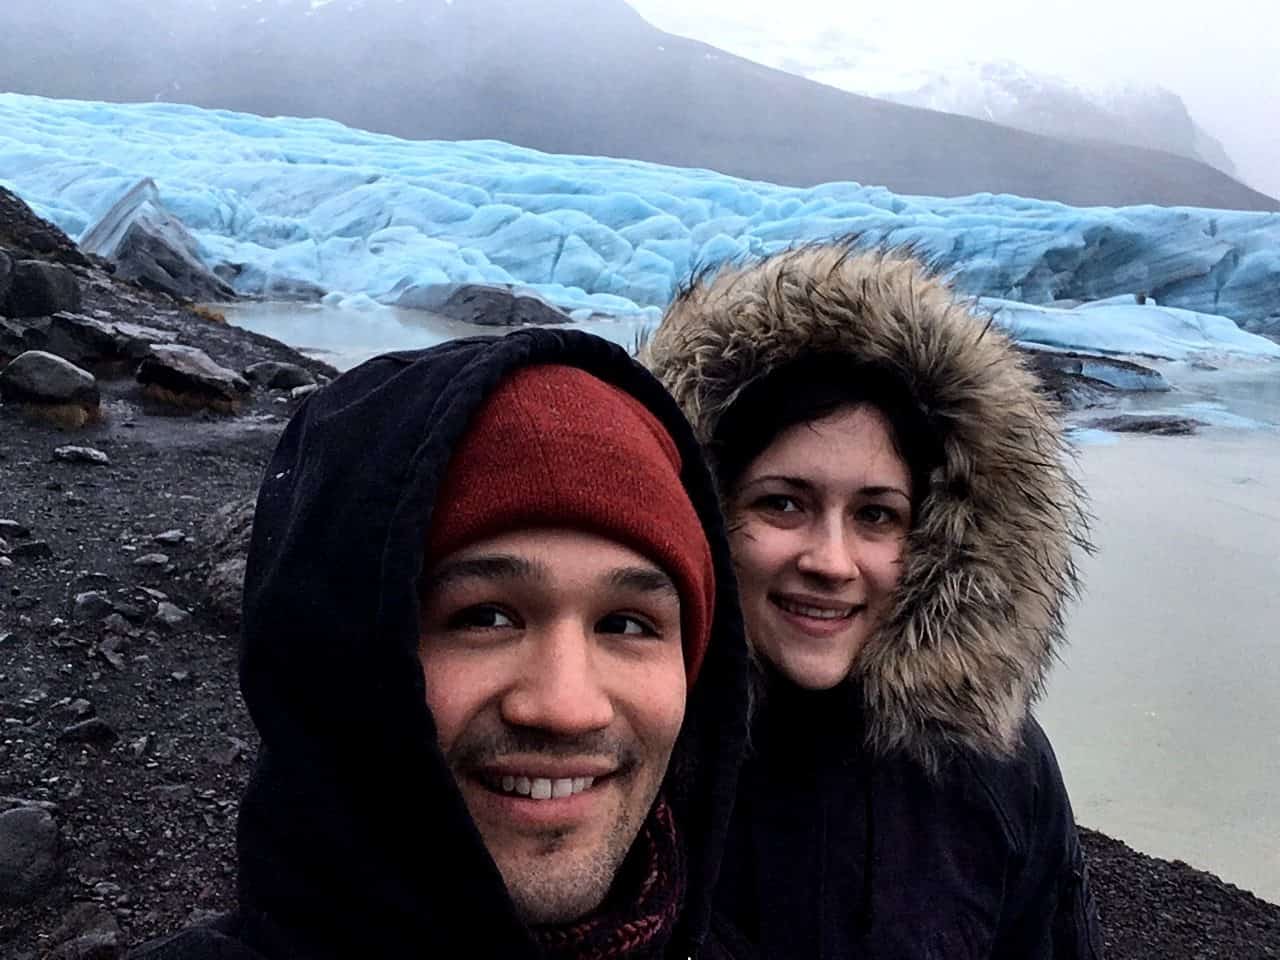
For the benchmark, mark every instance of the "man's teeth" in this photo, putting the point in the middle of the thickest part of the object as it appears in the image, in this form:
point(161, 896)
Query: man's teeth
point(818, 613)
point(544, 788)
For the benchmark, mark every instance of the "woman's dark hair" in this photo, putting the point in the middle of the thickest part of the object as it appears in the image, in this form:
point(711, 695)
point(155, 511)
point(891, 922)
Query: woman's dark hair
point(810, 389)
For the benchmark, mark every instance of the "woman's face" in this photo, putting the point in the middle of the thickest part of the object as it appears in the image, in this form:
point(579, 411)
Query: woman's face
point(819, 522)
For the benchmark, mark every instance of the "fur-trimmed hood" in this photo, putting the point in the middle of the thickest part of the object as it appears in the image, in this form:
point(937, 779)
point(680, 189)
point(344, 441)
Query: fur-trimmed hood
point(989, 565)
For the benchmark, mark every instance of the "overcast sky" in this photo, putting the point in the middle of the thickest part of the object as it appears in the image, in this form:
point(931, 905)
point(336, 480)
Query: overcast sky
point(1223, 59)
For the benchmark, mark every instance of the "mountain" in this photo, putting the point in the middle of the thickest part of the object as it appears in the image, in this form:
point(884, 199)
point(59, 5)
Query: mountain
point(564, 76)
point(1005, 93)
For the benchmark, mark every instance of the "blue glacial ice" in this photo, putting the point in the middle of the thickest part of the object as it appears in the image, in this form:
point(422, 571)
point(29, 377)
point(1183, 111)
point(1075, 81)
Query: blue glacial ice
point(286, 206)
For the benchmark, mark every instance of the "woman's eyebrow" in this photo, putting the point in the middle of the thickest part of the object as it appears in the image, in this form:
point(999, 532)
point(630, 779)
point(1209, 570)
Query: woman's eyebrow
point(882, 490)
point(798, 483)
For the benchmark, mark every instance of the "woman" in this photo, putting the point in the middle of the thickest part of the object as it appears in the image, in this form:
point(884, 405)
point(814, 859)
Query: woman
point(902, 525)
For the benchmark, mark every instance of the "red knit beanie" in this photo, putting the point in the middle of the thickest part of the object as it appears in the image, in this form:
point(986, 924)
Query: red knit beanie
point(553, 446)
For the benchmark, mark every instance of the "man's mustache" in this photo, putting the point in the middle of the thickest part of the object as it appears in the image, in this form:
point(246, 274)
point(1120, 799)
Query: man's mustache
point(483, 748)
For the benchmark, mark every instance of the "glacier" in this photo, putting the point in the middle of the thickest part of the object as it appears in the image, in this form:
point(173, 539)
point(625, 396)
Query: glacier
point(286, 206)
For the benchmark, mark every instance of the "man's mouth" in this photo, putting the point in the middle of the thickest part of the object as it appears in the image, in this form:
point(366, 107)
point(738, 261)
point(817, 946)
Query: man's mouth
point(540, 788)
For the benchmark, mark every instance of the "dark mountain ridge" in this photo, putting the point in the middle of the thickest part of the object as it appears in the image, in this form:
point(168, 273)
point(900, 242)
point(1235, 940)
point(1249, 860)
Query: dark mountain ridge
point(564, 76)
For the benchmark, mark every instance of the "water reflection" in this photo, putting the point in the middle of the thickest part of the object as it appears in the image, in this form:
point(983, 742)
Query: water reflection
point(344, 337)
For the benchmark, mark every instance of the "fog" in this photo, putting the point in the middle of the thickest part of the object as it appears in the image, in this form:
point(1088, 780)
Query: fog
point(1220, 60)
point(593, 77)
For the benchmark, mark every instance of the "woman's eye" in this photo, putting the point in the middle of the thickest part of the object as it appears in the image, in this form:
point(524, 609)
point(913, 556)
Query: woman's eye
point(627, 624)
point(877, 515)
point(480, 618)
point(777, 503)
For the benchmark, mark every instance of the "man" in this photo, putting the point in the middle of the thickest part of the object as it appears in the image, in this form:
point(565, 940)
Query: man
point(487, 607)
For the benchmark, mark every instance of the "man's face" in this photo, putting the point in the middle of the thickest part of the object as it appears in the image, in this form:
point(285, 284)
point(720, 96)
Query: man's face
point(555, 673)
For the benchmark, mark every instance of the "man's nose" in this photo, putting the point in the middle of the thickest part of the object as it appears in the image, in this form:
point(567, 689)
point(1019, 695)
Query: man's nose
point(830, 551)
point(560, 689)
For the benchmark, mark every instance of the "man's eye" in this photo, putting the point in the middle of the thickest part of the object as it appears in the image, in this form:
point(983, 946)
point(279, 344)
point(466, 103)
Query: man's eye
point(480, 618)
point(627, 624)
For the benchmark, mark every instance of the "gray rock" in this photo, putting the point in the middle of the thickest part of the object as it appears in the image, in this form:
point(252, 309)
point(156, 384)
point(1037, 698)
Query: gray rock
point(227, 533)
point(116, 623)
point(6, 277)
point(284, 288)
point(186, 376)
point(275, 375)
point(94, 730)
point(44, 378)
point(152, 247)
point(1108, 372)
point(74, 454)
point(29, 841)
point(1157, 424)
point(152, 560)
point(14, 529)
point(40, 289)
point(19, 336)
point(100, 343)
point(87, 932)
point(487, 305)
point(4, 546)
point(92, 605)
point(170, 537)
point(297, 393)
point(172, 616)
point(31, 550)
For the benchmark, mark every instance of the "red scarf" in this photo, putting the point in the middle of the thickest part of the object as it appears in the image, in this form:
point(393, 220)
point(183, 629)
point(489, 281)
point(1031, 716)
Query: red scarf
point(638, 917)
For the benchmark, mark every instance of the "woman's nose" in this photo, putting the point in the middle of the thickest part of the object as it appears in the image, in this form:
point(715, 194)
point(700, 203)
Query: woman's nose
point(829, 552)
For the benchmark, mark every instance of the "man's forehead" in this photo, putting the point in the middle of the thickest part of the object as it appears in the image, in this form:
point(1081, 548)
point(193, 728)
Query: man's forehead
point(537, 555)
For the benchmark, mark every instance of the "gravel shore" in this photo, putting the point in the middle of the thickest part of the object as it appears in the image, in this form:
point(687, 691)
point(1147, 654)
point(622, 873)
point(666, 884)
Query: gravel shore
point(124, 746)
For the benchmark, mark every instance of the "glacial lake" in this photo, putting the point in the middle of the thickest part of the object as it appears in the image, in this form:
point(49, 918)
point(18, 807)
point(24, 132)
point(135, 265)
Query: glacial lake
point(1165, 709)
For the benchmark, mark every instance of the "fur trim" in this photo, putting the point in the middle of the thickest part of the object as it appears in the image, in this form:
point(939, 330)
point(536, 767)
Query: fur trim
point(989, 564)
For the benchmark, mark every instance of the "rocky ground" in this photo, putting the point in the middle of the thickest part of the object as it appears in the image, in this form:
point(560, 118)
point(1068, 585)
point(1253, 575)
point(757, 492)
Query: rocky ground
point(124, 746)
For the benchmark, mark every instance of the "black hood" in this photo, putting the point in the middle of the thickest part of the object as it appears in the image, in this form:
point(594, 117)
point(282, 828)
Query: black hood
point(353, 838)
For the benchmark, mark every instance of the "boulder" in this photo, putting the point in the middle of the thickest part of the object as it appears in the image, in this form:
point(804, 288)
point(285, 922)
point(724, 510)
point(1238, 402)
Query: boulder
point(87, 932)
point(19, 336)
point(107, 347)
point(29, 841)
point(186, 377)
point(92, 605)
point(227, 533)
point(74, 454)
point(486, 305)
point(150, 246)
point(38, 377)
point(27, 235)
point(1104, 371)
point(1156, 424)
point(275, 375)
point(6, 277)
point(40, 289)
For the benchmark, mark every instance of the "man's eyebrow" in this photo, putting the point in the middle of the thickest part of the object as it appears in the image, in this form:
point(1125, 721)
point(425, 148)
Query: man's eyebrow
point(646, 579)
point(489, 566)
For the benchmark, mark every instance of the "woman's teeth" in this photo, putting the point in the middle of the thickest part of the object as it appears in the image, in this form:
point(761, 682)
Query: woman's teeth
point(817, 613)
point(544, 788)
